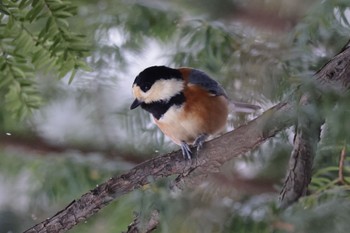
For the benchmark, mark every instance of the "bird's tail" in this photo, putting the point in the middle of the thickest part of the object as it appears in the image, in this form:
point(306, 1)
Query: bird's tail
point(243, 107)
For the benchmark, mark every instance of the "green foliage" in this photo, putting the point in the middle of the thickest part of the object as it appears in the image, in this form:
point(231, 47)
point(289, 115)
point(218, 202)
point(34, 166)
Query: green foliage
point(201, 41)
point(35, 38)
point(39, 39)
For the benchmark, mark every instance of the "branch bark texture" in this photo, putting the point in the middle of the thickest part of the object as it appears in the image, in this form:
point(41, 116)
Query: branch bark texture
point(333, 78)
point(307, 135)
point(215, 153)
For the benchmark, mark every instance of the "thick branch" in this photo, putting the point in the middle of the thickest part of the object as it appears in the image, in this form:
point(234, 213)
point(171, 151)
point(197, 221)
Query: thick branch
point(305, 143)
point(214, 154)
point(334, 77)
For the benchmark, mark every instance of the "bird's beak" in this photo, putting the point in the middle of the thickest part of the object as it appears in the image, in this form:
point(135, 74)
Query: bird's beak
point(135, 104)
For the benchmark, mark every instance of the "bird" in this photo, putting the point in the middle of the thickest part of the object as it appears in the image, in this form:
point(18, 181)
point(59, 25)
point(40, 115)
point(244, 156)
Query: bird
point(187, 105)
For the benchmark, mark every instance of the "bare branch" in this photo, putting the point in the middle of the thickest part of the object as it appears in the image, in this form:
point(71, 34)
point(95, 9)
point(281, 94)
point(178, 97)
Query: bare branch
point(305, 143)
point(214, 154)
point(151, 225)
point(334, 76)
point(153, 221)
point(134, 226)
point(342, 158)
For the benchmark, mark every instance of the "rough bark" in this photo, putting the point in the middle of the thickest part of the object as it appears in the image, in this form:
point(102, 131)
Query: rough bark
point(334, 79)
point(150, 226)
point(307, 135)
point(334, 76)
point(214, 154)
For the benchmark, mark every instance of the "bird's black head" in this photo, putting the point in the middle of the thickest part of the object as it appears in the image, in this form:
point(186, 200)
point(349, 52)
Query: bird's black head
point(156, 83)
point(150, 75)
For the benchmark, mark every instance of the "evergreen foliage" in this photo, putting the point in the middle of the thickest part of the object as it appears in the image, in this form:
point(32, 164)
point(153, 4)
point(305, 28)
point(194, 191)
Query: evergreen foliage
point(35, 39)
point(41, 40)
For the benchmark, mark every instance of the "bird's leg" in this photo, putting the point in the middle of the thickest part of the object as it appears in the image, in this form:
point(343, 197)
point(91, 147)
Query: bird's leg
point(200, 140)
point(186, 150)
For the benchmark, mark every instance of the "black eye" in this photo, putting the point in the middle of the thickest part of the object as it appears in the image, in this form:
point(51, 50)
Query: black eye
point(145, 87)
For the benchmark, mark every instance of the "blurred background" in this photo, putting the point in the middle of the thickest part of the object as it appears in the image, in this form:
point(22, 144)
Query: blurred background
point(65, 126)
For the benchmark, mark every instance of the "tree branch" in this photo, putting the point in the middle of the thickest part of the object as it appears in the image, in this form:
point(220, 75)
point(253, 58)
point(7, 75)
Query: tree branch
point(333, 76)
point(214, 154)
point(305, 143)
point(342, 158)
point(151, 225)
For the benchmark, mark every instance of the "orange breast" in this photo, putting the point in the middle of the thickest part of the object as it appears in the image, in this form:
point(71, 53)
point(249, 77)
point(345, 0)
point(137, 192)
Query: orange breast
point(210, 111)
point(202, 113)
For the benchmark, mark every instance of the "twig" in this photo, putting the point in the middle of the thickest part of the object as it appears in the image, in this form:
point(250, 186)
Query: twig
point(151, 225)
point(153, 222)
point(341, 179)
point(134, 226)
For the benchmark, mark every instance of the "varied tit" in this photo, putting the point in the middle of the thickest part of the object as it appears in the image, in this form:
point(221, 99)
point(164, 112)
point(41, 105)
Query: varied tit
point(186, 104)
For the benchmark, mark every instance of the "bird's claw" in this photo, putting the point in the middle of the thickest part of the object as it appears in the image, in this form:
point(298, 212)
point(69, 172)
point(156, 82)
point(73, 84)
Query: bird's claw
point(186, 151)
point(199, 141)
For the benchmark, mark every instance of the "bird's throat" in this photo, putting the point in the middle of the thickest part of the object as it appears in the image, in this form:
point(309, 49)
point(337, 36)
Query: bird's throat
point(159, 108)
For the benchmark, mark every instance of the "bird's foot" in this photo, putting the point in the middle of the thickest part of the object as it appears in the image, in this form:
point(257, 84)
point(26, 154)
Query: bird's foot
point(200, 140)
point(186, 150)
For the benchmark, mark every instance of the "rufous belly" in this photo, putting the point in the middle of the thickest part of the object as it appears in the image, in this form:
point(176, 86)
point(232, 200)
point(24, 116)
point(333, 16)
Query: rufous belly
point(202, 113)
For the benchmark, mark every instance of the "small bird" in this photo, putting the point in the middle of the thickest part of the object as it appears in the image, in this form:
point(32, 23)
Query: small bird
point(187, 105)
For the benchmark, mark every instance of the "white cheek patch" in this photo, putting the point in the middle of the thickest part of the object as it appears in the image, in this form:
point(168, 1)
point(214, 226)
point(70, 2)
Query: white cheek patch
point(163, 90)
point(136, 91)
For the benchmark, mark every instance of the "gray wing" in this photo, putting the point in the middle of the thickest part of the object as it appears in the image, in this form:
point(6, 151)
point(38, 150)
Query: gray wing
point(202, 79)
